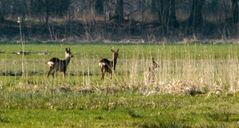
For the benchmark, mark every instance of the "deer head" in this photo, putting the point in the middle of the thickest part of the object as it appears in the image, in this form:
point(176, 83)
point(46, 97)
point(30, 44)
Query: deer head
point(155, 65)
point(68, 53)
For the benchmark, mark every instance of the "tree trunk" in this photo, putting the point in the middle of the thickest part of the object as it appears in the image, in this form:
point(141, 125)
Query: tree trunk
point(1, 12)
point(99, 6)
point(172, 14)
point(1, 17)
point(166, 14)
point(235, 11)
point(158, 6)
point(46, 3)
point(196, 18)
point(120, 11)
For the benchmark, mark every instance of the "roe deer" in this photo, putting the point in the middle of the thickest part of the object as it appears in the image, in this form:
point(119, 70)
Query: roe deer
point(107, 65)
point(56, 64)
point(151, 75)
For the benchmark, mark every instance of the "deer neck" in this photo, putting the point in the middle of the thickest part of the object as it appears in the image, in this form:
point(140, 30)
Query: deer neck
point(114, 63)
point(67, 60)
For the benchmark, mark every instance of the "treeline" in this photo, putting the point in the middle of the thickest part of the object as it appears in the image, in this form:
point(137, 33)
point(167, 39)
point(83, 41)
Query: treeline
point(120, 19)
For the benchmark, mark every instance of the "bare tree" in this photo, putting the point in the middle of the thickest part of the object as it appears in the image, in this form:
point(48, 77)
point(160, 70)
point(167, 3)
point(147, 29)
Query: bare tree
point(196, 17)
point(172, 14)
point(119, 11)
point(1, 17)
point(166, 13)
point(99, 6)
point(234, 11)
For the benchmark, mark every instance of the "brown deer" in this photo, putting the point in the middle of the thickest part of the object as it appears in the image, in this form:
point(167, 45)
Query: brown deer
point(150, 74)
point(56, 64)
point(107, 65)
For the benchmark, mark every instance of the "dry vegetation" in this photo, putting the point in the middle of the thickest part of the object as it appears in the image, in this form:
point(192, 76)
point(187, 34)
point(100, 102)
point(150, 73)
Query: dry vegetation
point(187, 69)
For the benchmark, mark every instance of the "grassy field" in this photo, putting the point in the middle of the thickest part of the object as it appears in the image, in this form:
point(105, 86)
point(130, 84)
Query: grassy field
point(195, 86)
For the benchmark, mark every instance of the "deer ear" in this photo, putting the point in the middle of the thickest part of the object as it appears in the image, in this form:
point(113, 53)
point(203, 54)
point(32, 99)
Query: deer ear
point(69, 49)
point(66, 49)
point(117, 50)
point(112, 50)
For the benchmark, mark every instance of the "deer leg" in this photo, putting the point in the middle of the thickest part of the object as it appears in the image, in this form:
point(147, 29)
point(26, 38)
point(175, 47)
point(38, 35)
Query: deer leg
point(53, 74)
point(64, 73)
point(102, 76)
point(50, 72)
point(102, 73)
point(110, 74)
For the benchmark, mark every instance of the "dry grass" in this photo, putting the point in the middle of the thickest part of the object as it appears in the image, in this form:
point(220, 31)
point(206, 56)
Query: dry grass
point(182, 69)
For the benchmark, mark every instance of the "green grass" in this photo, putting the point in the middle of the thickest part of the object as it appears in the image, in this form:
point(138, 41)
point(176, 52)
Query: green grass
point(121, 110)
point(128, 100)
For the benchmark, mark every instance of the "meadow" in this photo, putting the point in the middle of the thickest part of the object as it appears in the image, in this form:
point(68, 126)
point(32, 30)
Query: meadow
point(195, 85)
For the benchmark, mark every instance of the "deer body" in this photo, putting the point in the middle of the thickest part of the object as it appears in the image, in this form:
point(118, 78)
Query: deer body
point(107, 65)
point(150, 76)
point(56, 64)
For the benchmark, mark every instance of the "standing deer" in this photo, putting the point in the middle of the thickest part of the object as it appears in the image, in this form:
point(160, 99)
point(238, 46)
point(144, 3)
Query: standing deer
point(56, 64)
point(107, 65)
point(150, 74)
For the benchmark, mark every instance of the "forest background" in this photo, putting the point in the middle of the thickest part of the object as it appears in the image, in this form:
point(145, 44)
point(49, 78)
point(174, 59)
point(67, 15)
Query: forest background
point(119, 20)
